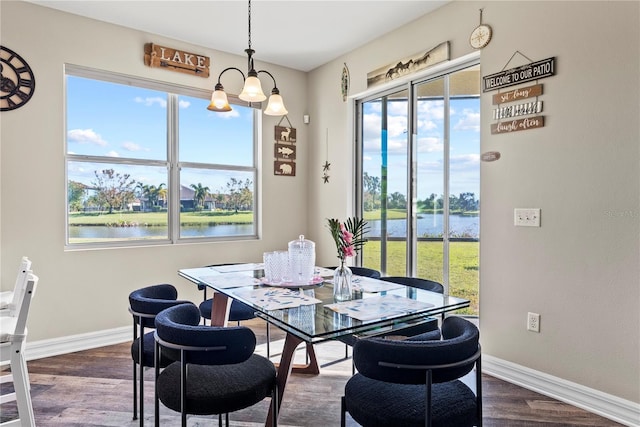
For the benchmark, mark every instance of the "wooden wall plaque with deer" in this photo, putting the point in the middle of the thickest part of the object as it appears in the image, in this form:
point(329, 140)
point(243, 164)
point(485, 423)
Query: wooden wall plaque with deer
point(284, 151)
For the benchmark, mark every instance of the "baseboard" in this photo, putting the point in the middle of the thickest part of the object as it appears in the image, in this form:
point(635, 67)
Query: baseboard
point(606, 405)
point(70, 344)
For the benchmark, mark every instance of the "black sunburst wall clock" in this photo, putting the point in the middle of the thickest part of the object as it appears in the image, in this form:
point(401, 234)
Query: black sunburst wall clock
point(17, 82)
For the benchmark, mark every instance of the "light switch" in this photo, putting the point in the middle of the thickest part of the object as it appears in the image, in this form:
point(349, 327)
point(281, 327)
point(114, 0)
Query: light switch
point(526, 217)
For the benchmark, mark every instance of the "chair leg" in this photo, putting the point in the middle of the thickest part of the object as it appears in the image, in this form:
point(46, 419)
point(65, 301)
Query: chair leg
point(342, 412)
point(275, 403)
point(183, 387)
point(268, 341)
point(21, 385)
point(479, 390)
point(156, 368)
point(135, 390)
point(141, 373)
point(141, 395)
point(135, 377)
point(427, 405)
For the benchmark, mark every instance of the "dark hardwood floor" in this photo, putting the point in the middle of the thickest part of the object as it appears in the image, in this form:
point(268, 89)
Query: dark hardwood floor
point(94, 388)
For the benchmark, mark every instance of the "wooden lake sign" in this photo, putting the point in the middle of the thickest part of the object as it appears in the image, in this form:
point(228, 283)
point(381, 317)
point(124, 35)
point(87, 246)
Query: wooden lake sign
point(518, 125)
point(176, 60)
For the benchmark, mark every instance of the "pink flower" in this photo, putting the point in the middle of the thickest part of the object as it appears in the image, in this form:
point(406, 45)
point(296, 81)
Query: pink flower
point(347, 237)
point(349, 251)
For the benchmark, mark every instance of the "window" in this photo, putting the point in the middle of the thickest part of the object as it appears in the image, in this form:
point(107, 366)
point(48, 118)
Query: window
point(417, 143)
point(148, 163)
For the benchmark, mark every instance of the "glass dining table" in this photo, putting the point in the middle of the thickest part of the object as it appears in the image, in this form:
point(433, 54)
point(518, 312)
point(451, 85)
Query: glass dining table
point(308, 313)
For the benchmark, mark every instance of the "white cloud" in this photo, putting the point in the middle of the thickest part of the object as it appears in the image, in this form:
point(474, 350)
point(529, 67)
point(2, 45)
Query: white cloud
point(86, 136)
point(226, 114)
point(113, 154)
point(430, 145)
point(132, 146)
point(470, 120)
point(464, 161)
point(149, 102)
point(183, 104)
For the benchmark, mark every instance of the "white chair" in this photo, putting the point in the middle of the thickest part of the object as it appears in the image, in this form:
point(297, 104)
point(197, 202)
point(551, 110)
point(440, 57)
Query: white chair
point(13, 334)
point(9, 299)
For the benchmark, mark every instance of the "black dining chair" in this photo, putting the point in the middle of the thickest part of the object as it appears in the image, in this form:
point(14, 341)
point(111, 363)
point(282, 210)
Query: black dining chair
point(217, 372)
point(415, 382)
point(362, 271)
point(144, 305)
point(238, 312)
point(417, 282)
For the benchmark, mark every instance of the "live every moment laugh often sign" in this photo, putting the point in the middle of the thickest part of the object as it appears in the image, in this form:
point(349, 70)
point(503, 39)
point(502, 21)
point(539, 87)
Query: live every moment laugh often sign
point(510, 103)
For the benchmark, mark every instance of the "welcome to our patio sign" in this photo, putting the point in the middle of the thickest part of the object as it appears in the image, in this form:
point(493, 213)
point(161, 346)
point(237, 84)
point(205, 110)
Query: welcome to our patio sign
point(508, 111)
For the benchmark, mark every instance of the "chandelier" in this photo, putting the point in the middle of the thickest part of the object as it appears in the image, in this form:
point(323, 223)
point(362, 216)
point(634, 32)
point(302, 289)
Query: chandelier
point(252, 90)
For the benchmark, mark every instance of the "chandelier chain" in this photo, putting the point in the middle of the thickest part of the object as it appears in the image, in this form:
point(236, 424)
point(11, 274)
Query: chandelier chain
point(249, 24)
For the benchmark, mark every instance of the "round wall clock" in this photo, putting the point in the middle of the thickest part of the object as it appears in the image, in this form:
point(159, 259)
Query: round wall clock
point(17, 82)
point(481, 35)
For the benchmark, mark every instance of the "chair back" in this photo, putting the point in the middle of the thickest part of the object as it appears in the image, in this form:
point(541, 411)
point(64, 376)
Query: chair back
point(147, 302)
point(13, 300)
point(14, 327)
point(403, 362)
point(179, 328)
point(416, 282)
point(362, 271)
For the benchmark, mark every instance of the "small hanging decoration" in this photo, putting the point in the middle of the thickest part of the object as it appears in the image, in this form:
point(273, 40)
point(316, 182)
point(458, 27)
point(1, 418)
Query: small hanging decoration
point(345, 82)
point(284, 149)
point(326, 165)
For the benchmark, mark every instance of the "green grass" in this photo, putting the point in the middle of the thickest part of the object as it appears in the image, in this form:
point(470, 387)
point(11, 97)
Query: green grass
point(463, 261)
point(160, 218)
point(391, 214)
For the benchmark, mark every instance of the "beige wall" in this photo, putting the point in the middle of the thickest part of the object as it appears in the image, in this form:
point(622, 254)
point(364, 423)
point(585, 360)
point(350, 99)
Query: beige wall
point(86, 291)
point(581, 269)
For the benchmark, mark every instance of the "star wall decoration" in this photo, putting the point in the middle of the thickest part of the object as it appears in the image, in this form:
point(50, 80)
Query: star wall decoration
point(326, 165)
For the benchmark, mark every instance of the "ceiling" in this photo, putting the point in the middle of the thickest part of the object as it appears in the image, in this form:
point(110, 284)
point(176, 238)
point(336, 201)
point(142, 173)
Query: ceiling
point(299, 34)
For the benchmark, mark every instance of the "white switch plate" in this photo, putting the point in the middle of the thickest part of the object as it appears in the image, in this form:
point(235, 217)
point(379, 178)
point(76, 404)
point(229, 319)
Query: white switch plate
point(526, 217)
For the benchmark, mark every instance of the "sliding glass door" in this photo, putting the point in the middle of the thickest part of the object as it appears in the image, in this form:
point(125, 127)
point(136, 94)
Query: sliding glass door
point(418, 143)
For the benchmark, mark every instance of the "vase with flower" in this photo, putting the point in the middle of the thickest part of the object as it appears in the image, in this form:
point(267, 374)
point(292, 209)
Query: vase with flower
point(349, 239)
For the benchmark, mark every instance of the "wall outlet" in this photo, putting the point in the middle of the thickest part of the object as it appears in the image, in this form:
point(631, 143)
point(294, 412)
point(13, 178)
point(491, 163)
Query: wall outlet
point(526, 217)
point(533, 322)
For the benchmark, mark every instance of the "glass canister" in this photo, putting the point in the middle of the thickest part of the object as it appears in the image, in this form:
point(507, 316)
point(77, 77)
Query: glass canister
point(302, 260)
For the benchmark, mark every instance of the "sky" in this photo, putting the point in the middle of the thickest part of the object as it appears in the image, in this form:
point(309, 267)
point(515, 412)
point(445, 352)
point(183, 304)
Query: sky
point(120, 121)
point(464, 145)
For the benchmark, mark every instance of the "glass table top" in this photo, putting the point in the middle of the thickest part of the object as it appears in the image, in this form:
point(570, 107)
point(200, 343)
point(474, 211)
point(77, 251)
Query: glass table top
point(310, 312)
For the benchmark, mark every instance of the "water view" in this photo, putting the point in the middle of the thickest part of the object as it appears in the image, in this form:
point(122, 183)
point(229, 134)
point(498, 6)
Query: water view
point(159, 232)
point(429, 225)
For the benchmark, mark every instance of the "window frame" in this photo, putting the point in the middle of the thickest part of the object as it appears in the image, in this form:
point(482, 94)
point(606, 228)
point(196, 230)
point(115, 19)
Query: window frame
point(172, 162)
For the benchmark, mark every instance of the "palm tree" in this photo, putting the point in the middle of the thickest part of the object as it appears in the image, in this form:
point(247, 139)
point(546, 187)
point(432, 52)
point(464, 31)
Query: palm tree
point(200, 194)
point(152, 193)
